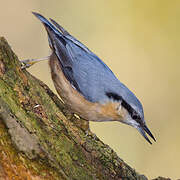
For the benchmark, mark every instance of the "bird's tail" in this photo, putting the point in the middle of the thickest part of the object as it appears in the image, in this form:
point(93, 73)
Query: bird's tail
point(56, 37)
point(53, 25)
point(50, 28)
point(53, 28)
point(46, 22)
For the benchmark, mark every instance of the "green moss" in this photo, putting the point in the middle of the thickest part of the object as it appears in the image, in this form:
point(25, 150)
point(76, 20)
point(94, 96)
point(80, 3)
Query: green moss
point(67, 153)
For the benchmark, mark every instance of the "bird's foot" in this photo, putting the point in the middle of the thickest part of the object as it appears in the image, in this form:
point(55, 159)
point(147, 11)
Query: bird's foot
point(29, 62)
point(89, 133)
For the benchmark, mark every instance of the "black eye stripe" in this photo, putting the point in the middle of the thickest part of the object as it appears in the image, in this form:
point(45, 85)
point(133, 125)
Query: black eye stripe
point(114, 96)
point(131, 111)
point(135, 116)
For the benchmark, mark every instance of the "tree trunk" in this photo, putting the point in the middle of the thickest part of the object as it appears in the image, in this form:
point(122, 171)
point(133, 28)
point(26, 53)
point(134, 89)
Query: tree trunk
point(41, 139)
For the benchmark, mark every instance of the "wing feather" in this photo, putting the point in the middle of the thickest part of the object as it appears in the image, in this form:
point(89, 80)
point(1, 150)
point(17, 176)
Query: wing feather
point(84, 70)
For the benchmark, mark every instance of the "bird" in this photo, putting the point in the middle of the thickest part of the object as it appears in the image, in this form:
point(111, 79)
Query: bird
point(86, 84)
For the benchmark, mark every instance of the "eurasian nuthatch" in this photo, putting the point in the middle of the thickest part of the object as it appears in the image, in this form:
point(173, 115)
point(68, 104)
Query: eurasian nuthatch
point(87, 85)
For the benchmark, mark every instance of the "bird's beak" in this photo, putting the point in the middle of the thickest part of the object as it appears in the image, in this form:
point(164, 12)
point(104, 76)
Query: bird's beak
point(143, 130)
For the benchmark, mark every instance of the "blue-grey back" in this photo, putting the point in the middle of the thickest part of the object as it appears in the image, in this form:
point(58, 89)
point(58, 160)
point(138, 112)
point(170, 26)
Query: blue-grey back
point(95, 79)
point(85, 71)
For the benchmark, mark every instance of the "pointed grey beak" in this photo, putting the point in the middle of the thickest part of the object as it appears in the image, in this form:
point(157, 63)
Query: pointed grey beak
point(143, 130)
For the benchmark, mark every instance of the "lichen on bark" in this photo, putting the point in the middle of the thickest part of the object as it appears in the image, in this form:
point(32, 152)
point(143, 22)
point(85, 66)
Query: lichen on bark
point(41, 139)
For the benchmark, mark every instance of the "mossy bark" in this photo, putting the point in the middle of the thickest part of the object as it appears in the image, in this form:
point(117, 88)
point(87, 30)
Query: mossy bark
point(41, 139)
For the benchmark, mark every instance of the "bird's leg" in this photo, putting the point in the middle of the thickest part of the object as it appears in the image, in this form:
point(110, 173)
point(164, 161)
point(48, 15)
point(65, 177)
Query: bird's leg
point(89, 133)
point(29, 62)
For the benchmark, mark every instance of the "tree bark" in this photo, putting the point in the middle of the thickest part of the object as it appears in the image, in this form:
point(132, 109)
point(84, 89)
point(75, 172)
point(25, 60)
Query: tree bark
point(41, 139)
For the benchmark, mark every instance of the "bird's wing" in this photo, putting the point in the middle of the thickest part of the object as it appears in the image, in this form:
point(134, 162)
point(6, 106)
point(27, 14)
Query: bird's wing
point(85, 71)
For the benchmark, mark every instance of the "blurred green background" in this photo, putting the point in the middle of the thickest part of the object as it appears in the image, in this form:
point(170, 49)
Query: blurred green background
point(140, 41)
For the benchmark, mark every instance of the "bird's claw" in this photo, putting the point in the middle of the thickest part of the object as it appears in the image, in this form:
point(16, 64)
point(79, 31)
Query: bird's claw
point(27, 63)
point(89, 133)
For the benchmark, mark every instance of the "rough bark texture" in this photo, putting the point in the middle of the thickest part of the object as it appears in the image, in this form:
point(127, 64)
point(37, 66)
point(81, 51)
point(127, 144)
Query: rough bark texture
point(40, 139)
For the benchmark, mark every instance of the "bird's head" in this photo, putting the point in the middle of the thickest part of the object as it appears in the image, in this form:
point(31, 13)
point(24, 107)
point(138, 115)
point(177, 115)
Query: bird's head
point(131, 114)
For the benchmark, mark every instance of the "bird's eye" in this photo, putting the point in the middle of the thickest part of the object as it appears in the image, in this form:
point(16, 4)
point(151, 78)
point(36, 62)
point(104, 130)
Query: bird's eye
point(134, 116)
